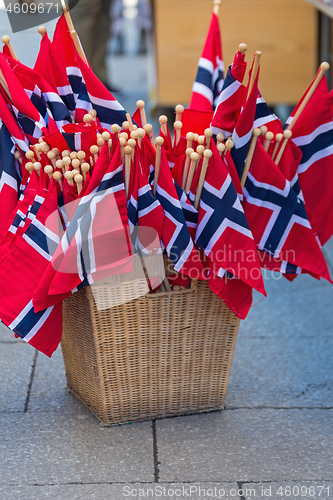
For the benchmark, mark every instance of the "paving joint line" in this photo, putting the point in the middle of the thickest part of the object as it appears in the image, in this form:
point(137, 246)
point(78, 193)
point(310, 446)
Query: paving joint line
point(33, 368)
point(155, 451)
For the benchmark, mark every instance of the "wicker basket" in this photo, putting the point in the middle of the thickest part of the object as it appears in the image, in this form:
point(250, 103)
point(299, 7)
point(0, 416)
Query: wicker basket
point(159, 355)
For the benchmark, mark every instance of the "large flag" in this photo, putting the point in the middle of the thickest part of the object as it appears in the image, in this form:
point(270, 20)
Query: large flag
point(89, 91)
point(209, 79)
point(313, 133)
point(277, 217)
point(231, 98)
point(33, 250)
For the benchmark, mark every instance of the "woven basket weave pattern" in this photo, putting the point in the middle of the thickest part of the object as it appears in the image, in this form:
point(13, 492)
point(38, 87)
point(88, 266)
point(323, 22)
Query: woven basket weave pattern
point(155, 356)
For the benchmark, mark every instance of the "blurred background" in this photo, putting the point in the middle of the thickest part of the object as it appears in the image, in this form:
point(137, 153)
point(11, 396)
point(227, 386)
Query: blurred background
point(154, 47)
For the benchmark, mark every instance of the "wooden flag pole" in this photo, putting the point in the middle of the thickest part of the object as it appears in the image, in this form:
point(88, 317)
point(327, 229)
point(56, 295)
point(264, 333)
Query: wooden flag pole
point(130, 122)
point(85, 167)
point(194, 159)
point(278, 139)
point(229, 144)
point(242, 48)
point(323, 68)
point(141, 105)
point(159, 141)
point(188, 153)
point(163, 119)
point(6, 40)
point(221, 148)
point(287, 135)
point(268, 139)
point(177, 126)
point(179, 111)
point(57, 177)
point(207, 155)
point(216, 7)
point(255, 134)
point(73, 33)
point(220, 138)
point(254, 73)
point(128, 164)
point(148, 128)
point(78, 179)
point(208, 134)
point(200, 150)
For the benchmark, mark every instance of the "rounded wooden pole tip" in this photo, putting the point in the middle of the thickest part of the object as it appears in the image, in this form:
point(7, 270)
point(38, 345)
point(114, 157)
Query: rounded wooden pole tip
point(115, 128)
point(208, 132)
point(279, 137)
point(220, 147)
point(100, 142)
point(85, 167)
point(127, 150)
point(51, 155)
point(258, 53)
point(5, 39)
point(60, 164)
point(131, 142)
point(68, 175)
point(29, 166)
point(88, 118)
point(125, 125)
point(159, 141)
point(94, 150)
point(229, 143)
point(242, 48)
point(93, 112)
point(179, 108)
point(134, 135)
point(287, 134)
point(263, 130)
point(269, 136)
point(208, 153)
point(163, 119)
point(122, 141)
point(48, 170)
point(81, 154)
point(196, 137)
point(29, 155)
point(148, 128)
point(178, 125)
point(140, 104)
point(78, 178)
point(200, 149)
point(65, 153)
point(106, 136)
point(194, 156)
point(42, 30)
point(189, 151)
point(324, 66)
point(220, 136)
point(256, 132)
point(76, 163)
point(190, 136)
point(57, 176)
point(37, 166)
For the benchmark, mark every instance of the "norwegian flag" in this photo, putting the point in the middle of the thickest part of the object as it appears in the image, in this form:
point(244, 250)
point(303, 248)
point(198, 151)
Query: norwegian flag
point(87, 88)
point(175, 236)
point(265, 116)
point(231, 98)
point(50, 66)
point(223, 232)
point(10, 176)
point(209, 79)
point(8, 117)
point(94, 245)
point(80, 137)
point(243, 131)
point(144, 211)
point(31, 121)
point(313, 134)
point(34, 251)
point(278, 218)
point(42, 95)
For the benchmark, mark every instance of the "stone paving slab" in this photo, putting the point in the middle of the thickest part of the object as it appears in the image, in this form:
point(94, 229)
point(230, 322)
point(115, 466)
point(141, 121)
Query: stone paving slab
point(7, 335)
point(247, 445)
point(283, 371)
point(293, 309)
point(49, 387)
point(294, 490)
point(97, 491)
point(49, 448)
point(16, 361)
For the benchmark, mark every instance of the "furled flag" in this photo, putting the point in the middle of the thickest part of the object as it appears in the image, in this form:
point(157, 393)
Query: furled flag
point(175, 235)
point(277, 217)
point(96, 242)
point(243, 131)
point(313, 133)
point(33, 250)
point(231, 98)
point(10, 176)
point(209, 79)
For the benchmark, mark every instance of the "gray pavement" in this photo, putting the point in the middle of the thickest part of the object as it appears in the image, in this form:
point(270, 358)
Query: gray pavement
point(273, 440)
